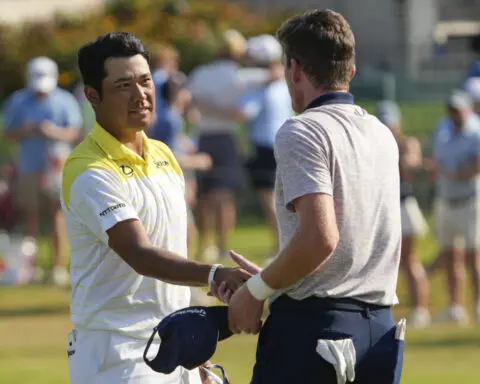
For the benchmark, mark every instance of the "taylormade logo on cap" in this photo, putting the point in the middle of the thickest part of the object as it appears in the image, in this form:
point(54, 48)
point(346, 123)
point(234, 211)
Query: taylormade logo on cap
point(200, 312)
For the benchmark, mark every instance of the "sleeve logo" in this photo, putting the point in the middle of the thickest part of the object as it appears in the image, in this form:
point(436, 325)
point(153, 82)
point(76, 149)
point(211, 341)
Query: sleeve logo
point(112, 208)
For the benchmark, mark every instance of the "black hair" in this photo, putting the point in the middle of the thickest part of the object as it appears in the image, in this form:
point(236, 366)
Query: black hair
point(92, 56)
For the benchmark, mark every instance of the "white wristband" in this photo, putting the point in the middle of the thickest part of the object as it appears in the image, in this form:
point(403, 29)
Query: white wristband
point(258, 288)
point(211, 275)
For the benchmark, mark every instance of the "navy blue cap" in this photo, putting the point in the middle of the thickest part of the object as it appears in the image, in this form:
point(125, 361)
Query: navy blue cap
point(188, 337)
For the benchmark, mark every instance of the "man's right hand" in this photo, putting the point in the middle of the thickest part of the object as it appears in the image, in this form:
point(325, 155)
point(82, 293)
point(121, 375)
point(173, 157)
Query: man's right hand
point(232, 278)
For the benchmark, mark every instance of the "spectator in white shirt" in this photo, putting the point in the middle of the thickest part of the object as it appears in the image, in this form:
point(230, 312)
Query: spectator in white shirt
point(216, 89)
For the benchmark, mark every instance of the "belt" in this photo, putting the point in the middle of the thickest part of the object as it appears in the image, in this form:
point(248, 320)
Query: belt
point(285, 302)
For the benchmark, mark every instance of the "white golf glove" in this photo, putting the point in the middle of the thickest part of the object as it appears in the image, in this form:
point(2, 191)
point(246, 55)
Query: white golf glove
point(341, 354)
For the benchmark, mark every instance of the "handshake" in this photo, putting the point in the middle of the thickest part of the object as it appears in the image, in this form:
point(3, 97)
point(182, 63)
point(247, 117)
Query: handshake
point(228, 285)
point(227, 280)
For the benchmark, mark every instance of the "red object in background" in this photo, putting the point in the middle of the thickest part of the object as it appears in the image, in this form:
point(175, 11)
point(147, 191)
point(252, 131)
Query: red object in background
point(8, 212)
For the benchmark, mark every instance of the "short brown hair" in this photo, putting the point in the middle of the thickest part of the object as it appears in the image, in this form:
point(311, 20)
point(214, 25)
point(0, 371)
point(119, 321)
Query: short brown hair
point(323, 44)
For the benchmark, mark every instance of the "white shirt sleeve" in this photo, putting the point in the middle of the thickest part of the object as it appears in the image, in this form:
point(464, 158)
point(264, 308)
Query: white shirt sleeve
point(99, 200)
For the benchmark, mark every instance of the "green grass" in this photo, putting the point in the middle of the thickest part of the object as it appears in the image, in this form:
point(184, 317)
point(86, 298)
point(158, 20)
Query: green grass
point(418, 119)
point(34, 323)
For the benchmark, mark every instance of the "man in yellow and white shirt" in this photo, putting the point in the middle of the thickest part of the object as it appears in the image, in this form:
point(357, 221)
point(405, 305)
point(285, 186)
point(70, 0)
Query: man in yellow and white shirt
point(123, 199)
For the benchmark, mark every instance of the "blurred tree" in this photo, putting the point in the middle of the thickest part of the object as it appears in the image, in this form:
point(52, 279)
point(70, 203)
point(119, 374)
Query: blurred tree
point(124, 10)
point(193, 26)
point(176, 7)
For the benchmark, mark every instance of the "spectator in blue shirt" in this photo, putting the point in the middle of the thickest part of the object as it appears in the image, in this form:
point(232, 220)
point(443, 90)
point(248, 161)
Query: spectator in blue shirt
point(45, 120)
point(165, 61)
point(170, 124)
point(264, 110)
point(456, 162)
point(170, 129)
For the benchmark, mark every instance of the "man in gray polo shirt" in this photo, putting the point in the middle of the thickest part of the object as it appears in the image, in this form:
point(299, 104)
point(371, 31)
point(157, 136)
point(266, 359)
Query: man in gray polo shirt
point(456, 161)
point(337, 191)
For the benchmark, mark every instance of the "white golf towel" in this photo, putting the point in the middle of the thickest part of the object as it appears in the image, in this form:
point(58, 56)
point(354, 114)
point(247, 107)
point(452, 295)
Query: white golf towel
point(341, 354)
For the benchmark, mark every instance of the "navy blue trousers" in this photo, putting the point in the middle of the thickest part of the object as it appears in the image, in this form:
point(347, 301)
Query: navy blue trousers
point(286, 351)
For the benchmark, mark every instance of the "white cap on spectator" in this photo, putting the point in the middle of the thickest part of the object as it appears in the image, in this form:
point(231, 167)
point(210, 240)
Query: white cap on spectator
point(42, 74)
point(459, 100)
point(472, 87)
point(264, 49)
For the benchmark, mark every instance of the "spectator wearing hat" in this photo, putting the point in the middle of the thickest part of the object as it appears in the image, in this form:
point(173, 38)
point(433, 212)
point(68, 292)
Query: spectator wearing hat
point(44, 120)
point(216, 89)
point(265, 109)
point(413, 221)
point(456, 164)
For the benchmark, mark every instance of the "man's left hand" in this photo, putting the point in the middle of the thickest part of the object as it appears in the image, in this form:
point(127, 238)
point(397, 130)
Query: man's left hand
point(221, 292)
point(245, 312)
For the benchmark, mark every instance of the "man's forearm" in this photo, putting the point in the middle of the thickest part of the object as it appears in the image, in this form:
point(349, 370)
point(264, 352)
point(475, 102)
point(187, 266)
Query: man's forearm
point(68, 134)
point(209, 106)
point(300, 258)
point(467, 174)
point(17, 133)
point(171, 268)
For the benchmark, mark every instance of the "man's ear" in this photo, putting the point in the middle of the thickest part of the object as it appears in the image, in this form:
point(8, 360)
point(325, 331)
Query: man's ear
point(92, 96)
point(354, 71)
point(296, 71)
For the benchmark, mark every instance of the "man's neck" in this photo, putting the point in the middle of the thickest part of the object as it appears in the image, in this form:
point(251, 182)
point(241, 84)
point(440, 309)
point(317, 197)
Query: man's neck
point(315, 93)
point(136, 145)
point(40, 96)
point(132, 139)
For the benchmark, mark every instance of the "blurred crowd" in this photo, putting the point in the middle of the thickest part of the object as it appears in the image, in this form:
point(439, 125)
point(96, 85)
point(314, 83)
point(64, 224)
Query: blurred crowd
point(199, 117)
